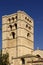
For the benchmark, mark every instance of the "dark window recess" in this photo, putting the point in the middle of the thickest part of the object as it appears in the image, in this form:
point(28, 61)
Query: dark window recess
point(38, 56)
point(28, 34)
point(23, 60)
point(15, 25)
point(30, 21)
point(9, 19)
point(13, 34)
point(10, 27)
point(12, 18)
point(26, 25)
point(16, 17)
point(29, 28)
point(25, 17)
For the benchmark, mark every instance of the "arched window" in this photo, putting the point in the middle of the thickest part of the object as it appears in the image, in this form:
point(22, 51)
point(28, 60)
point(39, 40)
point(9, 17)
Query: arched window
point(13, 34)
point(12, 18)
point(16, 17)
point(9, 19)
point(38, 55)
point(10, 27)
point(25, 17)
point(29, 27)
point(30, 21)
point(26, 25)
point(28, 34)
point(23, 60)
point(15, 25)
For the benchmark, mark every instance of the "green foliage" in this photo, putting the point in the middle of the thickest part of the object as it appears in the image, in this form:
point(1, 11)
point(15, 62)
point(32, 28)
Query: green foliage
point(4, 59)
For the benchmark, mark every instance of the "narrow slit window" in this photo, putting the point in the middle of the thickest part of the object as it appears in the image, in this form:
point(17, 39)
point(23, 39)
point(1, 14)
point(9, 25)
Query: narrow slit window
point(25, 17)
point(28, 34)
point(38, 56)
point(30, 21)
point(13, 18)
point(9, 19)
point(13, 34)
point(16, 17)
point(10, 27)
point(29, 27)
point(23, 60)
point(15, 25)
point(26, 25)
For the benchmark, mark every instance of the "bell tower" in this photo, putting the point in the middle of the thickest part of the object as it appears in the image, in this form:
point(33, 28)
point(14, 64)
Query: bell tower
point(17, 34)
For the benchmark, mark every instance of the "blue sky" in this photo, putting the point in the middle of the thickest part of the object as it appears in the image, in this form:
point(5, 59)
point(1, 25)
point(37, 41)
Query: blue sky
point(32, 7)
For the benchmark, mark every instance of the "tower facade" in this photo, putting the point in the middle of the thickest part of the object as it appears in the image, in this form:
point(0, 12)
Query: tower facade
point(17, 34)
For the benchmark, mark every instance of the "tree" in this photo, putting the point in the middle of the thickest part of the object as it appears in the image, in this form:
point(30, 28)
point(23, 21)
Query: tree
point(4, 59)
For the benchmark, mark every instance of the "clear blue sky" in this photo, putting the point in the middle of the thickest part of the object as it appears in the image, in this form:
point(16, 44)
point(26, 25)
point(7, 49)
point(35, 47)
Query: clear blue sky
point(32, 7)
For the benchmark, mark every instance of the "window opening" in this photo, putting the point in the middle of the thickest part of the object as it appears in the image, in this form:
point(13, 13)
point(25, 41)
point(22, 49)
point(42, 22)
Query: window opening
point(28, 34)
point(26, 25)
point(13, 34)
point(29, 27)
point(9, 19)
point(30, 21)
point(12, 18)
point(10, 27)
point(23, 60)
point(15, 25)
point(16, 17)
point(25, 17)
point(38, 56)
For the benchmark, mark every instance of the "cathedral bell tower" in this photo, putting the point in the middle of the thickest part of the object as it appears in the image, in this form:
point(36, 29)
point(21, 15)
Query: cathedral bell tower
point(17, 34)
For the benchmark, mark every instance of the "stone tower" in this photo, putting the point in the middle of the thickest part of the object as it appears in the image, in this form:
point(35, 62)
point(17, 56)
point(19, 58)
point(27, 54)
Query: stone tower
point(17, 34)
